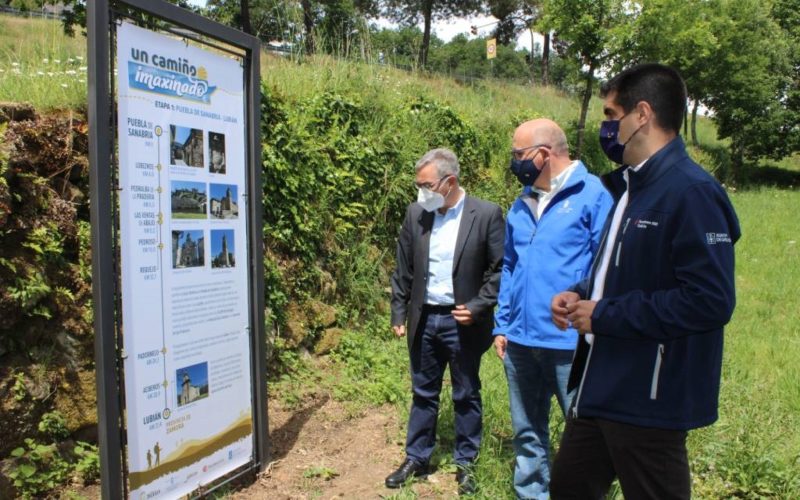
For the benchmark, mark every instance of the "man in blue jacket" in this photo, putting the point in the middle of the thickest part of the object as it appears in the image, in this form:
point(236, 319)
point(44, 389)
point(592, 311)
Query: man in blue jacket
point(651, 313)
point(552, 233)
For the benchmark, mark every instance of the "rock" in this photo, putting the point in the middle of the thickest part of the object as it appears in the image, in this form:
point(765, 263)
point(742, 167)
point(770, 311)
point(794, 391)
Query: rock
point(77, 400)
point(296, 327)
point(303, 319)
point(321, 315)
point(16, 112)
point(329, 340)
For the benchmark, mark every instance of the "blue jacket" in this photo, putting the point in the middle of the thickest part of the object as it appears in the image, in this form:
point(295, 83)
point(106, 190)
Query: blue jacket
point(669, 290)
point(544, 257)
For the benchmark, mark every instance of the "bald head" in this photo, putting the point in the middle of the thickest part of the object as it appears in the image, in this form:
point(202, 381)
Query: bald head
point(542, 139)
point(541, 132)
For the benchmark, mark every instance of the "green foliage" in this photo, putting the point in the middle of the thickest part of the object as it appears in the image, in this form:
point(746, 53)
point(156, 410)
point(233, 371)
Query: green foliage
point(87, 462)
point(321, 472)
point(43, 260)
point(54, 425)
point(19, 390)
point(39, 469)
point(373, 366)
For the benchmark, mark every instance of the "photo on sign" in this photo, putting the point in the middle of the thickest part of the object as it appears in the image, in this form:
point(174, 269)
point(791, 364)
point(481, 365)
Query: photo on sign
point(223, 252)
point(188, 249)
point(191, 383)
point(186, 146)
point(189, 200)
point(224, 203)
point(216, 151)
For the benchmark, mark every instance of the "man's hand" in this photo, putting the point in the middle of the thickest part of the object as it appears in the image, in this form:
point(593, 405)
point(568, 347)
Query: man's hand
point(580, 315)
point(500, 344)
point(399, 330)
point(558, 308)
point(462, 315)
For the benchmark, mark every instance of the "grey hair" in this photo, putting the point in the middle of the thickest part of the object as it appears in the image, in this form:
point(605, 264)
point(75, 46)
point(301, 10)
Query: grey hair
point(445, 160)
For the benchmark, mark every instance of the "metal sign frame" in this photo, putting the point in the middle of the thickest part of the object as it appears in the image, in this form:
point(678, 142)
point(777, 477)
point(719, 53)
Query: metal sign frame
point(105, 280)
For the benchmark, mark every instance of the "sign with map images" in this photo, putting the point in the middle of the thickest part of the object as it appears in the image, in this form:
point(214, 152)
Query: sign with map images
point(183, 221)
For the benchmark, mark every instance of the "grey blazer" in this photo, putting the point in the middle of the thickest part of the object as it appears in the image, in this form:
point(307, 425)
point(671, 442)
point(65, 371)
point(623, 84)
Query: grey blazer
point(477, 265)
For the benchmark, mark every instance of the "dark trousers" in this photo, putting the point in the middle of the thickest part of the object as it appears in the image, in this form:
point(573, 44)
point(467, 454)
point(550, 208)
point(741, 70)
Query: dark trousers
point(650, 463)
point(435, 346)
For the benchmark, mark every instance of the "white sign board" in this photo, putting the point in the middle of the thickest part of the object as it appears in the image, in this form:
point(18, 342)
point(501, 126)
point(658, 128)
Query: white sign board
point(183, 220)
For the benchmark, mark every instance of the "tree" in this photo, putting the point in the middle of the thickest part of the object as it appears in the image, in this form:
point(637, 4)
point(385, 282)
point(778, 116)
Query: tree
point(687, 24)
point(787, 14)
point(586, 31)
point(514, 16)
point(266, 19)
point(750, 81)
point(466, 58)
point(75, 14)
point(409, 12)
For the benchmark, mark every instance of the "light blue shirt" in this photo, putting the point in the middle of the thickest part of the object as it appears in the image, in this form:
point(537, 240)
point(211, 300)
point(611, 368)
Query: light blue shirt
point(441, 252)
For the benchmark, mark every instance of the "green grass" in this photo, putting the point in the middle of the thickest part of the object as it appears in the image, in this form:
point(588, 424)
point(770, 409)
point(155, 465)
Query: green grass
point(40, 66)
point(753, 451)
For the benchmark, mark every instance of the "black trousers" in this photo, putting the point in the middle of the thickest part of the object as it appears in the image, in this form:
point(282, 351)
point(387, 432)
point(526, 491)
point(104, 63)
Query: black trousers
point(650, 463)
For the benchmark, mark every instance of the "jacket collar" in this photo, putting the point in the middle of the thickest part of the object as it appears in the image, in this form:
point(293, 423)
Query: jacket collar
point(655, 167)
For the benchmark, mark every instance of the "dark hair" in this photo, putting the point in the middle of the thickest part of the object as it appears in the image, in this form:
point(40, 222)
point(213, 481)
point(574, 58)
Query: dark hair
point(660, 86)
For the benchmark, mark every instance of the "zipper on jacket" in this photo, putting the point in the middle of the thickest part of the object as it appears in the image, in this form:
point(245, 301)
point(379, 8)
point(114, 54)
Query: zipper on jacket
point(583, 377)
point(619, 244)
point(656, 372)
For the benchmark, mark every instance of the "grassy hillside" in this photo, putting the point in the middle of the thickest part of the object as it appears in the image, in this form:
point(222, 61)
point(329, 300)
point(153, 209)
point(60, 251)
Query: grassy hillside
point(340, 140)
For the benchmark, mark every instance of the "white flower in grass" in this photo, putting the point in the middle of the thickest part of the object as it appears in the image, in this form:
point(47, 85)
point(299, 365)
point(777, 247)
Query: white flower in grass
point(16, 71)
point(15, 64)
point(82, 68)
point(71, 72)
point(50, 73)
point(45, 60)
point(79, 58)
point(82, 80)
point(40, 73)
point(64, 85)
point(57, 61)
point(70, 60)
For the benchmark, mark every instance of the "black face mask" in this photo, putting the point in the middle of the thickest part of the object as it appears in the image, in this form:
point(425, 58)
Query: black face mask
point(525, 171)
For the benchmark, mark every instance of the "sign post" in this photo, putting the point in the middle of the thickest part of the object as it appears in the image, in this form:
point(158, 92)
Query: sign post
point(179, 311)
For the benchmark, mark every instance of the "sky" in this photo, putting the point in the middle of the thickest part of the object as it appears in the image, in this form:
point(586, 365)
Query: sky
point(446, 30)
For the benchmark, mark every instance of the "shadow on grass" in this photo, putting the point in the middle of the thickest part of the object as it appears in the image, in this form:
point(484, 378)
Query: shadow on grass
point(751, 175)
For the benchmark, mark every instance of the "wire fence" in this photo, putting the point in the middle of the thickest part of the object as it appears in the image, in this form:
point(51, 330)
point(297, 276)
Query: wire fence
point(46, 12)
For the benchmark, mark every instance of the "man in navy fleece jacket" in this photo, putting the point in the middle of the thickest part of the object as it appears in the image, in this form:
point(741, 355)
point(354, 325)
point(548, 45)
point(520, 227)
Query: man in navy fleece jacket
point(652, 311)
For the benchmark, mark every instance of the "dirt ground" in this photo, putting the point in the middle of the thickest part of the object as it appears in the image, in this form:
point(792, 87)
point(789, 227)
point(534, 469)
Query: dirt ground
point(321, 451)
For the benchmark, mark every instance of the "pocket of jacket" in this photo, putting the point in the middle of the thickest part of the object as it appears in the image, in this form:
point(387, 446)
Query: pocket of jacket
point(656, 372)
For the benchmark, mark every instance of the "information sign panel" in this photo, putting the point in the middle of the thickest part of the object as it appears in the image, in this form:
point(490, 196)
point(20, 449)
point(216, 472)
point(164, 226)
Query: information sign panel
point(184, 253)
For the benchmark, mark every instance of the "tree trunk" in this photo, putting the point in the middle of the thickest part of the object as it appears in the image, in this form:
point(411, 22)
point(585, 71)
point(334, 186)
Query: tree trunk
point(587, 97)
point(695, 142)
point(532, 70)
point(246, 26)
point(308, 25)
point(685, 122)
point(545, 59)
point(427, 10)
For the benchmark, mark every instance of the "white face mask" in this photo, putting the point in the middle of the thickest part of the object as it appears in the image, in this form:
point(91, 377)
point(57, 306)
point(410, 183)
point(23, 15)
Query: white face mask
point(430, 200)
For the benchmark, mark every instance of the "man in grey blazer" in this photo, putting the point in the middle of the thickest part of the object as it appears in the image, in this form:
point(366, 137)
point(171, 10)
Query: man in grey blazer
point(444, 289)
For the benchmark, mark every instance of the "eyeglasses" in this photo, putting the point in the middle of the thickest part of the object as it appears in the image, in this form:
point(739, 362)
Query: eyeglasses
point(518, 154)
point(429, 185)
